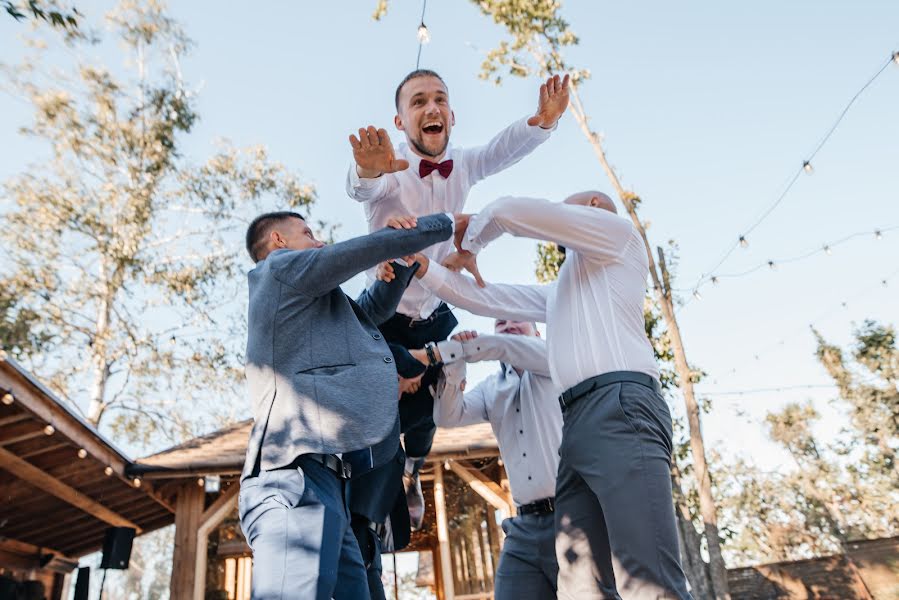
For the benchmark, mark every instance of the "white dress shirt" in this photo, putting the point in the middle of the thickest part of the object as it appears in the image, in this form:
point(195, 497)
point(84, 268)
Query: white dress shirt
point(593, 312)
point(406, 193)
point(523, 411)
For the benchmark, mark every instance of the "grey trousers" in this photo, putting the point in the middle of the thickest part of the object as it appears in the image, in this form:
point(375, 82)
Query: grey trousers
point(616, 531)
point(298, 525)
point(527, 565)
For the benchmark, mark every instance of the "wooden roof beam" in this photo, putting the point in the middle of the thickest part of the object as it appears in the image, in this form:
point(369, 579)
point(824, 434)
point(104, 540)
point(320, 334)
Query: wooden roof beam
point(28, 472)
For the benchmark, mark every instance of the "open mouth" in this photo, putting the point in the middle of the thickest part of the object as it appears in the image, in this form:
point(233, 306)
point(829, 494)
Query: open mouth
point(432, 127)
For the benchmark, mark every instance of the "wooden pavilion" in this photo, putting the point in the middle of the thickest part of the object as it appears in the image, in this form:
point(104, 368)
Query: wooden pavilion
point(465, 488)
point(62, 484)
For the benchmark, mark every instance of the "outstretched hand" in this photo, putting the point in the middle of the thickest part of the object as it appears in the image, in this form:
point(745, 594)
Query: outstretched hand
point(374, 154)
point(465, 336)
point(553, 102)
point(465, 260)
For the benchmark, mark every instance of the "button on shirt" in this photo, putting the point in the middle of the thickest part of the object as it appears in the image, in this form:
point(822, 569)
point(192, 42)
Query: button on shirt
point(523, 411)
point(593, 312)
point(406, 193)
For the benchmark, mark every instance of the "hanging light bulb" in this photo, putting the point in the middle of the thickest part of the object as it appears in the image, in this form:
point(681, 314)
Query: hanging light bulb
point(714, 280)
point(827, 250)
point(7, 398)
point(772, 265)
point(896, 57)
point(82, 453)
point(136, 482)
point(108, 471)
point(424, 36)
point(884, 283)
point(697, 295)
point(807, 167)
point(877, 234)
point(201, 482)
point(172, 340)
point(744, 243)
point(49, 430)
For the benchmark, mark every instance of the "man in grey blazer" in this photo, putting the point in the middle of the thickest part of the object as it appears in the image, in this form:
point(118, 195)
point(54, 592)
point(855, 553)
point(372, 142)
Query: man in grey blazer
point(324, 391)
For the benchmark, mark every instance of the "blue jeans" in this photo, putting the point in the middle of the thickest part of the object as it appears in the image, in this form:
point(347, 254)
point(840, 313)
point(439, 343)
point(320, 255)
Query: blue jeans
point(297, 523)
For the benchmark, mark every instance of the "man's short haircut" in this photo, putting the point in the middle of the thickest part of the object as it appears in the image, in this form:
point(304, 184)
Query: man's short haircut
point(261, 227)
point(414, 75)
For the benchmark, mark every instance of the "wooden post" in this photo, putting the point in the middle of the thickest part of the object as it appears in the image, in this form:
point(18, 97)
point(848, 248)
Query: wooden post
point(209, 520)
point(446, 565)
point(188, 510)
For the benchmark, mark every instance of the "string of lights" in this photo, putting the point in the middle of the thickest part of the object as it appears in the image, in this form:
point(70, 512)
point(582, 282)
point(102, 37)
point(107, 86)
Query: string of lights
point(826, 248)
point(742, 240)
point(768, 390)
point(882, 283)
point(424, 36)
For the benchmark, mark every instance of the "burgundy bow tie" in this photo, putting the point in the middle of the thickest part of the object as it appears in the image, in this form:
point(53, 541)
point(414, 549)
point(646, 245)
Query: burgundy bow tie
point(425, 167)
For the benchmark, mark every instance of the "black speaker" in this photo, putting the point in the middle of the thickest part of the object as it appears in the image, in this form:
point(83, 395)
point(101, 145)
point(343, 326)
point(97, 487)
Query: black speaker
point(117, 548)
point(82, 584)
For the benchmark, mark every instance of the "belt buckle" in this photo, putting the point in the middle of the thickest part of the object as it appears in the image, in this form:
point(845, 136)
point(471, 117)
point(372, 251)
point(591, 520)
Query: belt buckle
point(346, 470)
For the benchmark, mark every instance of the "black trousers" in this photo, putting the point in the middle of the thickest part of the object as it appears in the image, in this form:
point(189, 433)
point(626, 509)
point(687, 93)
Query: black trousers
point(417, 410)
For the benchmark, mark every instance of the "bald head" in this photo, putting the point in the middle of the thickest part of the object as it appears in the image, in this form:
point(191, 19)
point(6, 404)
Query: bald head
point(592, 198)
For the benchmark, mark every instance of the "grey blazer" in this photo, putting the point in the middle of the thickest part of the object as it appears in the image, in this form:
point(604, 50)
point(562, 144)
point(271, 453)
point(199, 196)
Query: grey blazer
point(321, 377)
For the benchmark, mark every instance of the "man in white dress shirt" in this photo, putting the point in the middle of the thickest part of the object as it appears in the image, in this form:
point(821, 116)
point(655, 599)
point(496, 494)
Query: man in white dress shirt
point(521, 404)
point(439, 180)
point(615, 527)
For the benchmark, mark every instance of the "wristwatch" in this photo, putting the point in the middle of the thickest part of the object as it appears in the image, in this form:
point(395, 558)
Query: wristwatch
point(431, 350)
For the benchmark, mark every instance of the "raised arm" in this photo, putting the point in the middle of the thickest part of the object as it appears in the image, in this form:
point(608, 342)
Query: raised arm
point(523, 136)
point(524, 352)
point(380, 299)
point(317, 271)
point(374, 158)
point(452, 407)
point(591, 231)
point(497, 300)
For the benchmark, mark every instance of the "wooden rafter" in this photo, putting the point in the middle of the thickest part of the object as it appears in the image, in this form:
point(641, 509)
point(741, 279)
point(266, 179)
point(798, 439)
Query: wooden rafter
point(47, 483)
point(476, 480)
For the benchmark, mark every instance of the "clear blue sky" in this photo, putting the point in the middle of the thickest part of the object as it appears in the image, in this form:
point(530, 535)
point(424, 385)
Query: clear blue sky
point(707, 110)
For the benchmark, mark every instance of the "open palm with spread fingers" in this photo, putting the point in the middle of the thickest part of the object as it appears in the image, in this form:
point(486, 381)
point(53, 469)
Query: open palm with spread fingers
point(553, 102)
point(374, 153)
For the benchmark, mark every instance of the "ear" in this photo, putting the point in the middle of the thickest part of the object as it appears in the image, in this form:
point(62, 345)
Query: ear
point(277, 239)
point(453, 118)
point(398, 122)
point(537, 332)
point(595, 202)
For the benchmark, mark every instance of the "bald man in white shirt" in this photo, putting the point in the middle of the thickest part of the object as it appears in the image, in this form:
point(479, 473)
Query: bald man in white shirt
point(616, 533)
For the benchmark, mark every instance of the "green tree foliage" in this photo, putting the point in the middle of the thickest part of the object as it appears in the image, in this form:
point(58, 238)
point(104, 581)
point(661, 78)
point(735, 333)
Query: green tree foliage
point(122, 257)
point(839, 490)
point(64, 18)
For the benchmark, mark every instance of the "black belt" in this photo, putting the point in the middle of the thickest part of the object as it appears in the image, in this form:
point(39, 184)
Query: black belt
point(441, 310)
point(332, 462)
point(544, 506)
point(575, 393)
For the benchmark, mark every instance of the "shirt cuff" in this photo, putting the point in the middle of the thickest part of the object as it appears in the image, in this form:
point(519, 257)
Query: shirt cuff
point(454, 373)
point(357, 182)
point(435, 276)
point(450, 350)
point(475, 225)
point(452, 219)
